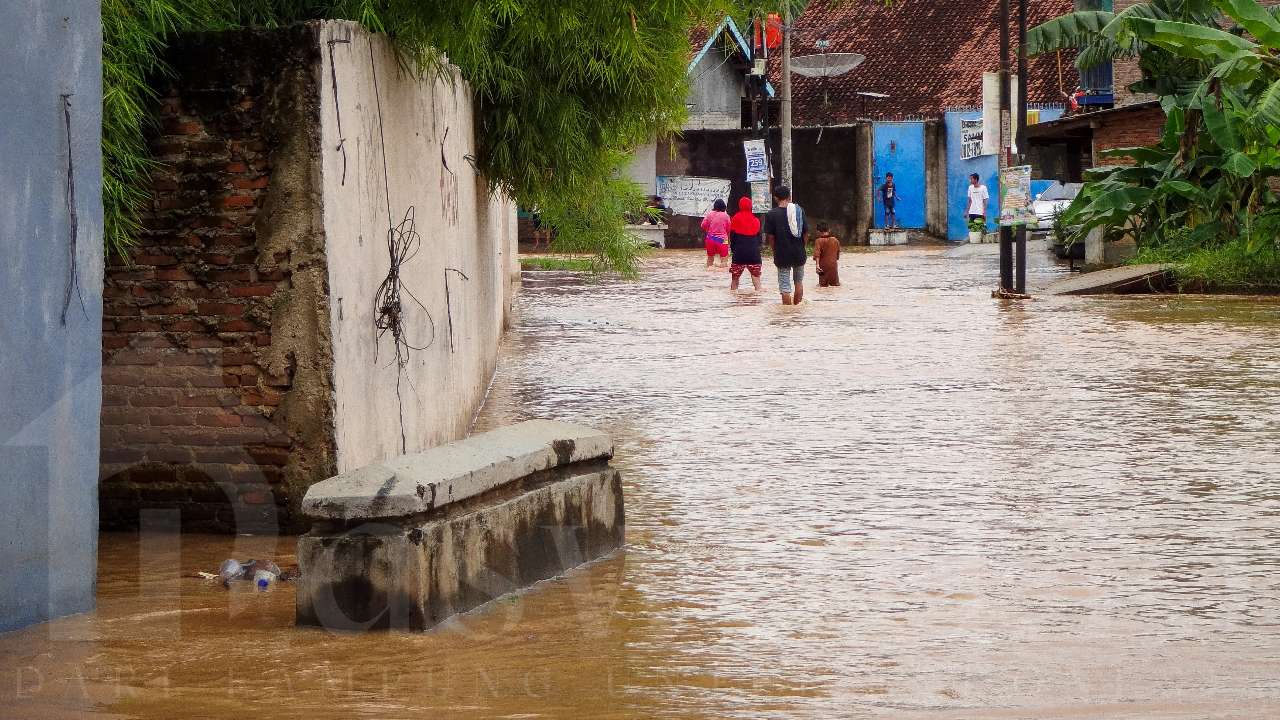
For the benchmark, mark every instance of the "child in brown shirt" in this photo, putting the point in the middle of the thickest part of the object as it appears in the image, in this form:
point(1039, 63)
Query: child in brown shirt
point(826, 254)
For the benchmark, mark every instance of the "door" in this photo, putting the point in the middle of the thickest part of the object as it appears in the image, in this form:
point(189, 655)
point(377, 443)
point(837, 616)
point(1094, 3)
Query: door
point(898, 148)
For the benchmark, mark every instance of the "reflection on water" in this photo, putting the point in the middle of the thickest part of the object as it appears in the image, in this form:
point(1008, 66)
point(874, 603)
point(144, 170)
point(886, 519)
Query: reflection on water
point(901, 499)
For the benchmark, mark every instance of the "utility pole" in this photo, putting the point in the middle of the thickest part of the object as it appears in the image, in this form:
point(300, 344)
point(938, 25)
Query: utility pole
point(786, 95)
point(1006, 233)
point(1020, 140)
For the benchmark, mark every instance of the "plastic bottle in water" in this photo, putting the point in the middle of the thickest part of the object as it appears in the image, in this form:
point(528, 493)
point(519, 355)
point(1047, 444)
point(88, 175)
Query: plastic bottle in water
point(231, 570)
point(263, 579)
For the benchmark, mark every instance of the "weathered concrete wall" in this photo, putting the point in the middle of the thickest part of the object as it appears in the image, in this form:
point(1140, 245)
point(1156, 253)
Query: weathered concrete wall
point(715, 94)
point(826, 183)
point(411, 541)
point(50, 65)
point(405, 146)
point(643, 169)
point(242, 362)
point(935, 178)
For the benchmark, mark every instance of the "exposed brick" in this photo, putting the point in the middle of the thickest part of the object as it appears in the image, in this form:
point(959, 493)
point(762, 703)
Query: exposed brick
point(121, 455)
point(186, 401)
point(236, 326)
point(249, 183)
point(173, 274)
point(173, 309)
point(169, 454)
point(223, 309)
point(181, 417)
point(153, 397)
point(155, 260)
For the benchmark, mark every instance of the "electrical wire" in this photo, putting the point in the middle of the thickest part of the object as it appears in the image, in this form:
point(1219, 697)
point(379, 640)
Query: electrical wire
point(73, 221)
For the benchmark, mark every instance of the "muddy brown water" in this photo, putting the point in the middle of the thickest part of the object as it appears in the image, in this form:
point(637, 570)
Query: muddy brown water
point(899, 500)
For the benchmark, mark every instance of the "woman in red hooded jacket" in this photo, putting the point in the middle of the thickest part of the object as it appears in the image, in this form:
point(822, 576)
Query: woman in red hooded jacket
point(744, 243)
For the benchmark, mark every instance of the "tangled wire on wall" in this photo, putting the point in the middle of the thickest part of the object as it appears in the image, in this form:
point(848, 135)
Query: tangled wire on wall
point(403, 242)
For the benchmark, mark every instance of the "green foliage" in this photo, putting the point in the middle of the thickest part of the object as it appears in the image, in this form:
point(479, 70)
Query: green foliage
point(1201, 196)
point(977, 225)
point(564, 90)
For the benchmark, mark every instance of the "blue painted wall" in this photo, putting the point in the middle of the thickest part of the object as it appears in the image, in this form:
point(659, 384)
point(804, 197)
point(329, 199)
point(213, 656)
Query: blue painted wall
point(50, 371)
point(958, 174)
point(898, 148)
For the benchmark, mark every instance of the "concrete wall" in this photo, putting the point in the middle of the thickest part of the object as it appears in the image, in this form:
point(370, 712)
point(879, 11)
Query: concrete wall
point(715, 94)
point(49, 369)
point(643, 169)
point(242, 361)
point(420, 133)
point(935, 178)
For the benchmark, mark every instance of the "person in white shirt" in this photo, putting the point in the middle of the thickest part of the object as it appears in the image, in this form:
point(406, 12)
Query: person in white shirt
point(978, 197)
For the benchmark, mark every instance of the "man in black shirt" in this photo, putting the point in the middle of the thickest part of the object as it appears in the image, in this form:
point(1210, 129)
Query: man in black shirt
point(786, 227)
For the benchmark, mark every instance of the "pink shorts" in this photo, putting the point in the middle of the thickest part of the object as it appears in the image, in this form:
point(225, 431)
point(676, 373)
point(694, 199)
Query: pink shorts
point(717, 247)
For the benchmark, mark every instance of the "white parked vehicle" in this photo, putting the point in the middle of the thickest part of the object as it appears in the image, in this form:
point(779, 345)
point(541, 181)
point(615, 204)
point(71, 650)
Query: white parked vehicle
point(1053, 201)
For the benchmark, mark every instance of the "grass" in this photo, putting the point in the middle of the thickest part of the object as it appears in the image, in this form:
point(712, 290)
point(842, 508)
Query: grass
point(1229, 267)
point(570, 264)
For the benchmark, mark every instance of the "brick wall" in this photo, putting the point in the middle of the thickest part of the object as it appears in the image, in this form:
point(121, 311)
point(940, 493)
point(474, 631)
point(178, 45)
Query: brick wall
point(1131, 128)
point(213, 400)
point(1126, 72)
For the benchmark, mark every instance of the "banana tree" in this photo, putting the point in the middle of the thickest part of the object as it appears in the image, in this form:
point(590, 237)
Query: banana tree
point(1210, 174)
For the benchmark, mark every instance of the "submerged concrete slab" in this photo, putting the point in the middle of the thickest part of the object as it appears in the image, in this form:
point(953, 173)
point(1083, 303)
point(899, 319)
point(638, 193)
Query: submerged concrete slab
point(412, 484)
point(511, 507)
point(1127, 279)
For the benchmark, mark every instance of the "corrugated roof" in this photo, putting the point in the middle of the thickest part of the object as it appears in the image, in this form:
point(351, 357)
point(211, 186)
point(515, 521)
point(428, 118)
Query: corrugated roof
point(927, 55)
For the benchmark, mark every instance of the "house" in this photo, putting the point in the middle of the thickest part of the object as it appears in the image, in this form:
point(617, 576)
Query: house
point(721, 85)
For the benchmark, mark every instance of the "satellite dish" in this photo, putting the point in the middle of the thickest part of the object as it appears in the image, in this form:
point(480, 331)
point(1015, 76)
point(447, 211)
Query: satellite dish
point(826, 64)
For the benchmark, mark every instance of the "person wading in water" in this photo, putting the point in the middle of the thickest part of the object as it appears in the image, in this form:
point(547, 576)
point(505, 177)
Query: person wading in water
point(744, 243)
point(716, 226)
point(786, 227)
point(826, 255)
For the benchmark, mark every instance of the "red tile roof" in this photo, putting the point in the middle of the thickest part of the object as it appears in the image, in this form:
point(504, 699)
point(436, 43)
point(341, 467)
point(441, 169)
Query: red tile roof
point(927, 55)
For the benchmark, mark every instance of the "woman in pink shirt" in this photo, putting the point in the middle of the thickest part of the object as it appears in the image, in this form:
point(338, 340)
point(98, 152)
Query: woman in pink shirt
point(716, 226)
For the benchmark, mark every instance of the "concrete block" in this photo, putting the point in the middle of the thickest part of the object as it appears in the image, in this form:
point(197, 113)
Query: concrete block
point(408, 543)
point(651, 235)
point(409, 484)
point(887, 237)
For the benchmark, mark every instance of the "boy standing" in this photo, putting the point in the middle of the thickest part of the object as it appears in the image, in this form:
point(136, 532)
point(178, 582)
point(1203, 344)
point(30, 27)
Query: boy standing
point(786, 227)
point(977, 199)
point(889, 196)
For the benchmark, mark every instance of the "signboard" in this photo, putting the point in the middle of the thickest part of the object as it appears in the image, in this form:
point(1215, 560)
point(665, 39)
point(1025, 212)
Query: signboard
point(688, 195)
point(991, 113)
point(757, 162)
point(1015, 196)
point(761, 201)
point(970, 139)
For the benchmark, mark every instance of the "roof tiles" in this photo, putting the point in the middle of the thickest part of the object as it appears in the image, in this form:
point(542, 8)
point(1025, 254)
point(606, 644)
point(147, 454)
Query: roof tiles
point(926, 55)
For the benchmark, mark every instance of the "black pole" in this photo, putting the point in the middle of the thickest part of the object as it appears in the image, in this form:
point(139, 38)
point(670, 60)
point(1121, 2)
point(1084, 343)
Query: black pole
point(1020, 277)
point(1006, 234)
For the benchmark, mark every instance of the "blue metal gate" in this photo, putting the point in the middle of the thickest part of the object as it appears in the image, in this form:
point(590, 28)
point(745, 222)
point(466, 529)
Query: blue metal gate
point(898, 148)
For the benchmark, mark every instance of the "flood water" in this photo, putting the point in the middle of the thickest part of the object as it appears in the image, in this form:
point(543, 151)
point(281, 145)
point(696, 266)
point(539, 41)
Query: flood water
point(901, 499)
